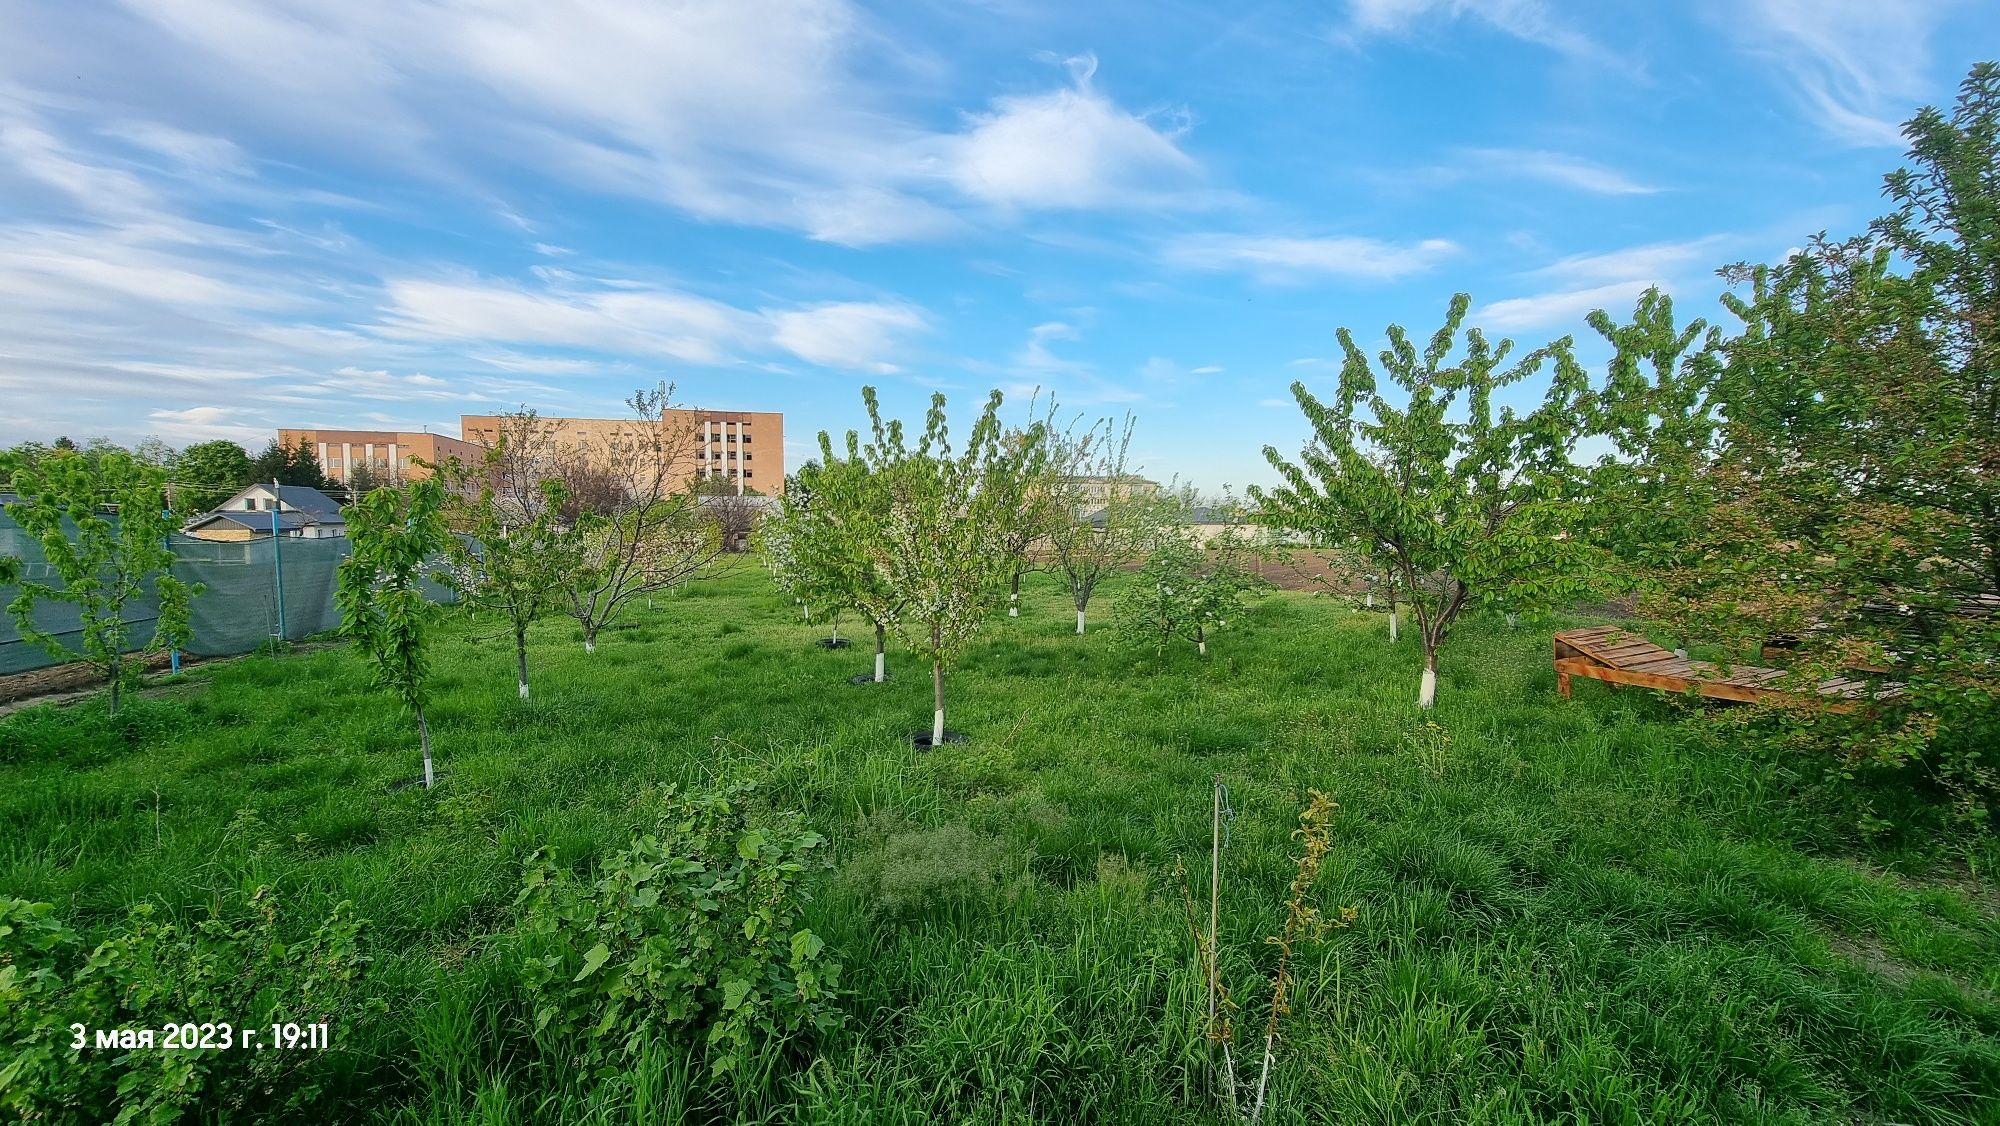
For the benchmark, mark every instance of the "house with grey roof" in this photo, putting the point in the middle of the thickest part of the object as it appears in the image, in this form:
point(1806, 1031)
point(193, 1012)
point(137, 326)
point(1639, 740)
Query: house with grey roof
point(260, 510)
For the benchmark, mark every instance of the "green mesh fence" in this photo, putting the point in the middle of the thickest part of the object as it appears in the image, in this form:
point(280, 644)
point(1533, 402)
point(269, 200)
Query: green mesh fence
point(235, 613)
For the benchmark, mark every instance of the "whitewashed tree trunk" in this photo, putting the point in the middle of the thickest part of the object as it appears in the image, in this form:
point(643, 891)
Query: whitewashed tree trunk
point(1513, 620)
point(1427, 693)
point(1394, 615)
point(1370, 603)
point(424, 736)
point(1079, 621)
point(521, 663)
point(937, 698)
point(881, 647)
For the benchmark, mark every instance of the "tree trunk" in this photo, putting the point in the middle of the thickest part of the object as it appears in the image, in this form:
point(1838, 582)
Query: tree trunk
point(881, 646)
point(1427, 692)
point(1513, 621)
point(521, 660)
point(1014, 597)
point(589, 638)
point(424, 735)
point(117, 683)
point(1201, 640)
point(937, 701)
point(1394, 614)
point(1079, 619)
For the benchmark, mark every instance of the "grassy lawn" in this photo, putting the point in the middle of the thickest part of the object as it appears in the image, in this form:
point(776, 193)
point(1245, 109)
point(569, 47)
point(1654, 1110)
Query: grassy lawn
point(1567, 911)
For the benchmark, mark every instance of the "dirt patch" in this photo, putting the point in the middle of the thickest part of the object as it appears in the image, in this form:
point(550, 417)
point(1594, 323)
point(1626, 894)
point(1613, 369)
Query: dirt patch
point(1866, 951)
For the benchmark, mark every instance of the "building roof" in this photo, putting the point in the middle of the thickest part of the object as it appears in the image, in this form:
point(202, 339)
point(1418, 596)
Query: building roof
point(259, 521)
point(311, 501)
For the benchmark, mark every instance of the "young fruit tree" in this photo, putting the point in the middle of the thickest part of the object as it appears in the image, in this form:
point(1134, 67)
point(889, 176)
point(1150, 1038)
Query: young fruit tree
point(1105, 516)
point(833, 528)
point(1463, 502)
point(397, 535)
point(104, 559)
point(653, 533)
point(806, 552)
point(938, 545)
point(1186, 590)
point(1033, 492)
point(509, 555)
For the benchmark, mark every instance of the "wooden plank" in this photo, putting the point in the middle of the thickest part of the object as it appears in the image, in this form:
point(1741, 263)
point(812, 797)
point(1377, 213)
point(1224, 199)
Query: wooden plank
point(1666, 664)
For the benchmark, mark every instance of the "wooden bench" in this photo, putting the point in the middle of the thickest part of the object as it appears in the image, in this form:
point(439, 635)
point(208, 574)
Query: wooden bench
point(1616, 656)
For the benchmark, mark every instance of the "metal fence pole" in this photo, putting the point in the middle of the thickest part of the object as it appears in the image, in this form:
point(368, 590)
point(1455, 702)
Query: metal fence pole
point(173, 654)
point(277, 557)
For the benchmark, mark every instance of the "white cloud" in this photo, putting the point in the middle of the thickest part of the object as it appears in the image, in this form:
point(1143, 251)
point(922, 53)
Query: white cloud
point(1607, 280)
point(1859, 67)
point(846, 334)
point(1530, 20)
point(1561, 307)
point(1272, 258)
point(770, 113)
point(1651, 262)
point(1561, 169)
point(655, 322)
point(1069, 148)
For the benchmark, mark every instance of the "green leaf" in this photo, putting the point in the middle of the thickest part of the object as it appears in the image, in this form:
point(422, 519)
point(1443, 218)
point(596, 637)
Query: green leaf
point(593, 961)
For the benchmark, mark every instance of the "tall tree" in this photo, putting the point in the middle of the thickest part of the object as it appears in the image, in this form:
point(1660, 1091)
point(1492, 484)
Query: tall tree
point(291, 465)
point(208, 474)
point(1103, 516)
point(102, 525)
point(1850, 500)
point(656, 534)
point(1464, 503)
point(939, 544)
point(397, 535)
point(513, 555)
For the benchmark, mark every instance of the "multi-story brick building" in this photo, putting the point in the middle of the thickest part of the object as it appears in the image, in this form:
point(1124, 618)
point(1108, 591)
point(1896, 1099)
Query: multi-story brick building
point(745, 449)
point(389, 454)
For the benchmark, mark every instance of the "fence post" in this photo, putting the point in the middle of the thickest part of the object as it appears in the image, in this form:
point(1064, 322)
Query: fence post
point(173, 655)
point(277, 557)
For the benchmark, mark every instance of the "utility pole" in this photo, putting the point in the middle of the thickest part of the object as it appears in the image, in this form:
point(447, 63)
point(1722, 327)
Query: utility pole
point(277, 556)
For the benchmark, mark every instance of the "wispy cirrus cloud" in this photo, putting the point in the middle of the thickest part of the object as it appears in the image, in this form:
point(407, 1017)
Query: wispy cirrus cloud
point(1580, 283)
point(1858, 67)
point(1531, 20)
point(1279, 259)
point(765, 113)
point(1542, 165)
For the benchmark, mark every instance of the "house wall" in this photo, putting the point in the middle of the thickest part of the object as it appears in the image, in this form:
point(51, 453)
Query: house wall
point(224, 533)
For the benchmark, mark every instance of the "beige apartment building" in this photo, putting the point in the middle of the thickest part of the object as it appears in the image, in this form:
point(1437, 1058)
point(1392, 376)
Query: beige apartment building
point(392, 455)
point(745, 449)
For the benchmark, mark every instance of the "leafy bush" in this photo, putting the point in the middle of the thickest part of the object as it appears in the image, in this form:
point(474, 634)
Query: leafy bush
point(691, 932)
point(154, 974)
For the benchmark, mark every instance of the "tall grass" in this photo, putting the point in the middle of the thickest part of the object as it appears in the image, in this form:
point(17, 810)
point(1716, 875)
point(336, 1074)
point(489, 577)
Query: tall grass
point(1571, 911)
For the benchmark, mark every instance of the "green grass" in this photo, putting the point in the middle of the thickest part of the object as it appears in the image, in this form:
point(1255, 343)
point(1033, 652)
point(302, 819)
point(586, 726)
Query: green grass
point(1569, 912)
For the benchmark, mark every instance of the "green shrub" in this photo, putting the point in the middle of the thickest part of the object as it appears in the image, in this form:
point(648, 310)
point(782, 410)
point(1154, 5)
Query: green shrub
point(154, 974)
point(690, 933)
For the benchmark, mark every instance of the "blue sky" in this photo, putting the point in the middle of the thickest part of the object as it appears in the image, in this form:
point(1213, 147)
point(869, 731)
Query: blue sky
point(219, 217)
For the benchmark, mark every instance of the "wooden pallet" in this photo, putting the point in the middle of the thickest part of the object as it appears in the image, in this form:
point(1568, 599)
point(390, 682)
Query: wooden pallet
point(1616, 656)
